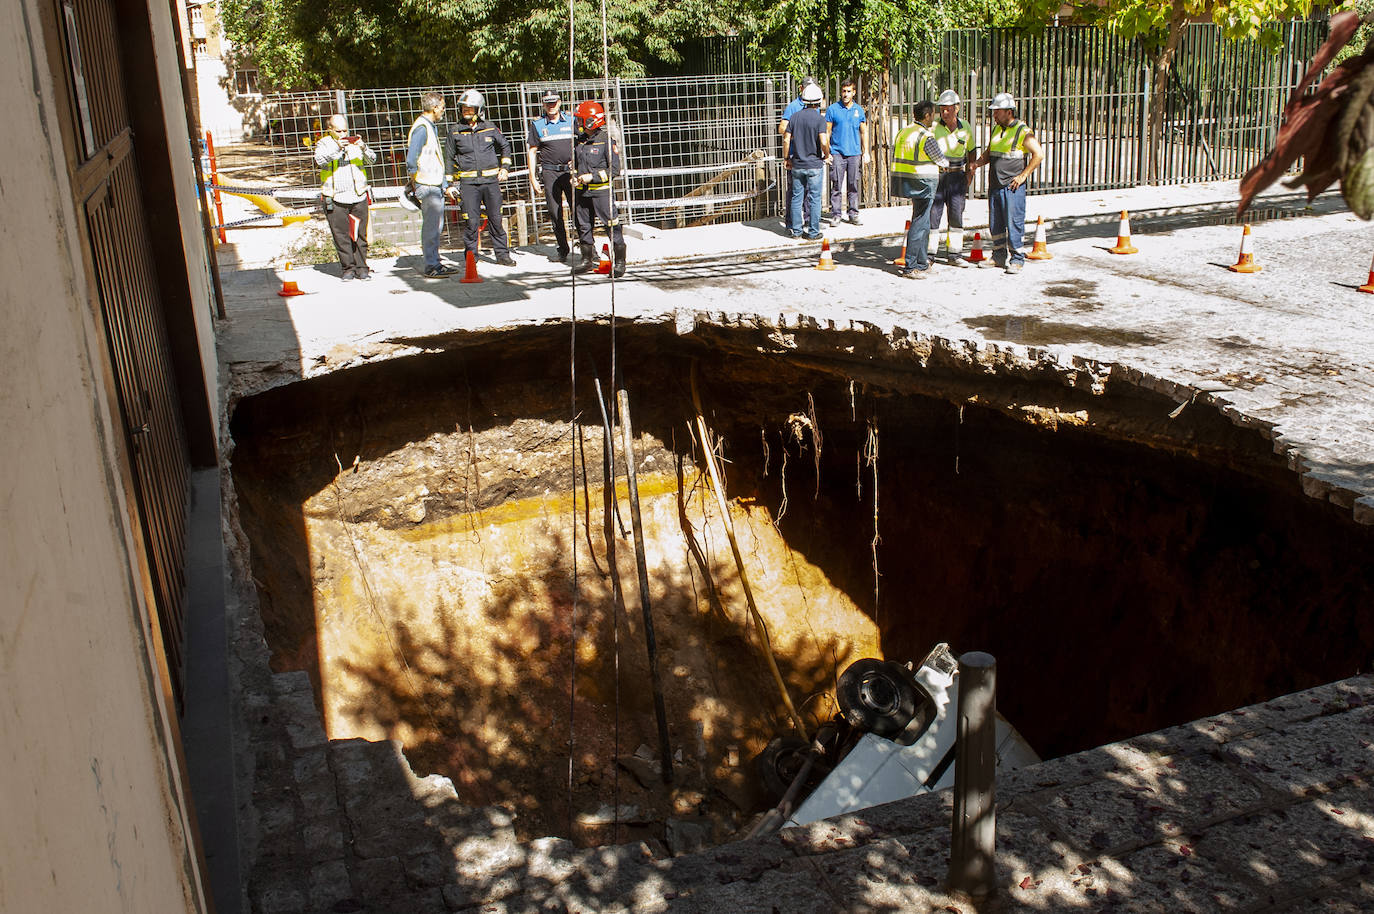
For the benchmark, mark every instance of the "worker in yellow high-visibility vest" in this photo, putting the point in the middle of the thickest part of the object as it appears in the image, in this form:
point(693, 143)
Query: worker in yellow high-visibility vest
point(955, 136)
point(343, 159)
point(1014, 153)
point(916, 162)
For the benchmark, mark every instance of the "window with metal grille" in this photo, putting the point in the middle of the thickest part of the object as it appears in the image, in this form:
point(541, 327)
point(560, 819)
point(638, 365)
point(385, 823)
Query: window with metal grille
point(246, 82)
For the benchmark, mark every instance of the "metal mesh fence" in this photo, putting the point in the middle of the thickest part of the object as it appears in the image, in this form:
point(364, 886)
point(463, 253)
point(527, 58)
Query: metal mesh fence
point(1086, 94)
point(704, 149)
point(695, 150)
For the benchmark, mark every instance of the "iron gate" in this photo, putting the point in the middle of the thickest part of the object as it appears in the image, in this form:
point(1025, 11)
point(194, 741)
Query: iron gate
point(121, 270)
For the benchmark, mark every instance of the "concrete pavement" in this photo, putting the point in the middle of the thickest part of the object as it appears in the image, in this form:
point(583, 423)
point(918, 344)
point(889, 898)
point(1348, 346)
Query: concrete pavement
point(1263, 809)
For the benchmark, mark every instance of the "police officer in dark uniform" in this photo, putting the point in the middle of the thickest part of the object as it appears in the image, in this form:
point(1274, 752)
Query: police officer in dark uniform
point(549, 147)
point(480, 154)
point(596, 162)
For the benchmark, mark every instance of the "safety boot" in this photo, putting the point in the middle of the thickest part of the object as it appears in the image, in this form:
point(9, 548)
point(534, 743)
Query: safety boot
point(619, 252)
point(586, 259)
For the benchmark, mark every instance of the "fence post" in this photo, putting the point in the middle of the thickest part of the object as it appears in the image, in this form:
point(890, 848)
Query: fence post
point(341, 103)
point(1143, 172)
point(974, 831)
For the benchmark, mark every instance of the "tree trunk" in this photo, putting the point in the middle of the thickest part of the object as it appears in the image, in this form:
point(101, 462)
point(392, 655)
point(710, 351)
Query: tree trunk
point(1159, 91)
point(881, 145)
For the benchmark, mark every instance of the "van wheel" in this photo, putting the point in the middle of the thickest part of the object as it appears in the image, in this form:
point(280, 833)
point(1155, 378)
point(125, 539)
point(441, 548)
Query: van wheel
point(877, 696)
point(779, 764)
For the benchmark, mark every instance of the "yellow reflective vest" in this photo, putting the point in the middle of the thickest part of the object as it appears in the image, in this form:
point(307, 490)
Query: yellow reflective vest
point(910, 157)
point(955, 143)
point(1008, 142)
point(341, 176)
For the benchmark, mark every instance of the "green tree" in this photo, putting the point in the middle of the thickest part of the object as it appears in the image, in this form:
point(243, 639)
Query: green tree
point(263, 31)
point(381, 43)
point(1159, 25)
point(863, 39)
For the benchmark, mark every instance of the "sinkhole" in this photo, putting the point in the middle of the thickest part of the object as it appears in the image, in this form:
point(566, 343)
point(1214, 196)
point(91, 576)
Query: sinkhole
point(429, 542)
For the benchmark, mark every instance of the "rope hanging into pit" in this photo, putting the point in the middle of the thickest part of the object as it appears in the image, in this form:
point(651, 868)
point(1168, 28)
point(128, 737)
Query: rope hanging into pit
point(611, 418)
point(617, 604)
point(572, 385)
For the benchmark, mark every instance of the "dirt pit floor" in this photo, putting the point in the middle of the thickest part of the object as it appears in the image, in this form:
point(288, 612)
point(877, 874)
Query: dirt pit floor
point(429, 544)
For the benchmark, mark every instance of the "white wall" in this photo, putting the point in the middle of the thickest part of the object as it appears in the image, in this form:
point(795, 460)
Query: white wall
point(92, 811)
point(188, 199)
point(217, 112)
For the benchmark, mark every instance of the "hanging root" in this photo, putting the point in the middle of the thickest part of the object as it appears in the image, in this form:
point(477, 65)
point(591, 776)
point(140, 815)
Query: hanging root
point(958, 426)
point(871, 458)
point(806, 426)
point(782, 474)
point(815, 440)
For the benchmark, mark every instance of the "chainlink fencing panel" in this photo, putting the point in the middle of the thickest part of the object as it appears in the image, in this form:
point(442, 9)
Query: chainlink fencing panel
point(694, 150)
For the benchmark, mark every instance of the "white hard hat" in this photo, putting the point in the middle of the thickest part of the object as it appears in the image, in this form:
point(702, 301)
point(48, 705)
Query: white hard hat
point(1002, 100)
point(471, 98)
point(408, 200)
point(812, 93)
point(948, 97)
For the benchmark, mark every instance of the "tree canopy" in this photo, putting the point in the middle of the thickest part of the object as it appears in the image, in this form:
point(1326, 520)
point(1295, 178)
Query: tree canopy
point(1159, 25)
point(380, 43)
point(861, 36)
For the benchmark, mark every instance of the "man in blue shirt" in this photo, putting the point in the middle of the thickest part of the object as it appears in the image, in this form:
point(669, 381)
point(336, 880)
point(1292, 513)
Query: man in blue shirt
point(549, 148)
point(787, 114)
point(805, 149)
point(848, 152)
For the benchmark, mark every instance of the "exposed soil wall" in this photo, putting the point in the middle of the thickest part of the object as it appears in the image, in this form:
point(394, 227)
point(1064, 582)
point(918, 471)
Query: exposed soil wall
point(413, 531)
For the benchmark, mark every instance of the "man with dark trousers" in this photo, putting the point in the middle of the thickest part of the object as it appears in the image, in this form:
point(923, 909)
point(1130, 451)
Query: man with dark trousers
point(549, 147)
point(596, 162)
point(480, 154)
point(343, 162)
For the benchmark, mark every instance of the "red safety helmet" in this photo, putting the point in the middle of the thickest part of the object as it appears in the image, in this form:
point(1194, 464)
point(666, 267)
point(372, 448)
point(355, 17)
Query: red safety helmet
point(589, 116)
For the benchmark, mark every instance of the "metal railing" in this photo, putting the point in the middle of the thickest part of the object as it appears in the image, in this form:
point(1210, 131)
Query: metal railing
point(1086, 94)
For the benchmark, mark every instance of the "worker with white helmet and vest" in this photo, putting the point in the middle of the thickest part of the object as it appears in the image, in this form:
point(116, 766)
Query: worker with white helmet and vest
point(481, 157)
point(343, 184)
point(1014, 154)
point(916, 162)
point(427, 172)
point(955, 137)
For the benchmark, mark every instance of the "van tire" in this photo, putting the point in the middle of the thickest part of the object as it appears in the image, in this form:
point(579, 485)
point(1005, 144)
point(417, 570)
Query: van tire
point(779, 763)
point(877, 696)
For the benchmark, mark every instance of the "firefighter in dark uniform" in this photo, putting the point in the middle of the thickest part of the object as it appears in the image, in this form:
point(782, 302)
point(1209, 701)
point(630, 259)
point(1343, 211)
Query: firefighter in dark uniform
point(549, 147)
point(480, 154)
point(596, 162)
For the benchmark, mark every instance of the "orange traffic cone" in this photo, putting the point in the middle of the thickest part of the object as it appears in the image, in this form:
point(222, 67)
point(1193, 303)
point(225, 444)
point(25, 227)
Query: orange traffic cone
point(288, 283)
point(827, 262)
point(1245, 263)
point(604, 268)
point(471, 274)
point(1369, 286)
point(1038, 250)
point(901, 261)
point(1123, 236)
point(976, 255)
